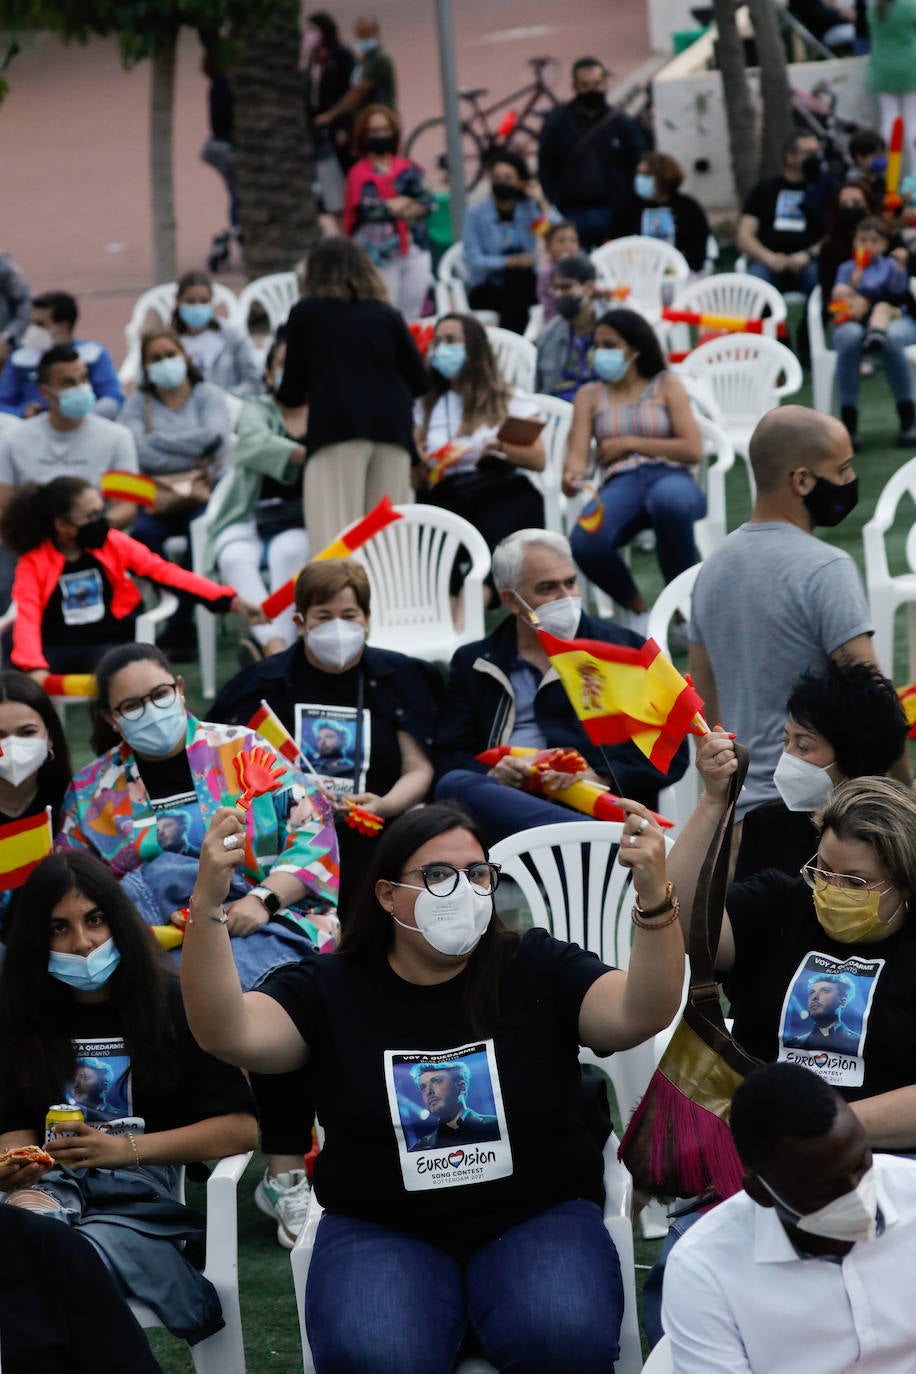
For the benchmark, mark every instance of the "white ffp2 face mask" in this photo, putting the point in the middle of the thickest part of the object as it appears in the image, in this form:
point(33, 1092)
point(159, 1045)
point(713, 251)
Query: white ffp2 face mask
point(452, 924)
point(22, 756)
point(559, 618)
point(802, 785)
point(335, 643)
point(850, 1218)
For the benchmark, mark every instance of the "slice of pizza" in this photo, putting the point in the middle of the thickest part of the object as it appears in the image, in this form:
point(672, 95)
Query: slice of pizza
point(26, 1154)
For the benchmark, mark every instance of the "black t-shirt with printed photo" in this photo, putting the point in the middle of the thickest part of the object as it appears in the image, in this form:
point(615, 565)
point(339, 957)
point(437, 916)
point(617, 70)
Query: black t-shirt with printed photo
point(453, 1171)
point(787, 222)
point(782, 952)
point(79, 608)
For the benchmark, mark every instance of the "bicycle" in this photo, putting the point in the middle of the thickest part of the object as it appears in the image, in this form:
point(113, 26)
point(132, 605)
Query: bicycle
point(519, 129)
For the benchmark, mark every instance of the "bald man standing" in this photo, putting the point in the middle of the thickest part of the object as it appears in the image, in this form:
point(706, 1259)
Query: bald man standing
point(774, 600)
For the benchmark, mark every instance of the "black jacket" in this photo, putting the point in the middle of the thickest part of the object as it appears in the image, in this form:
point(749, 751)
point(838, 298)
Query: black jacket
point(586, 162)
point(691, 227)
point(479, 713)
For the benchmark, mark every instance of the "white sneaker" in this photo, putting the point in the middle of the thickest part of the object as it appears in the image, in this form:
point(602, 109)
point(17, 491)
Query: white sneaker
point(285, 1197)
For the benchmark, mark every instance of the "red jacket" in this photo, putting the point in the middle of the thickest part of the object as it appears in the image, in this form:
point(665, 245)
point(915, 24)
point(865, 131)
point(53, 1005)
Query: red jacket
point(38, 572)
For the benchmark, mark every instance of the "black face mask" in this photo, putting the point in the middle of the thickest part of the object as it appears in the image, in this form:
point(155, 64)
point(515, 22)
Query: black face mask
point(811, 168)
point(830, 502)
point(507, 190)
point(569, 306)
point(851, 214)
point(93, 534)
point(593, 101)
point(381, 143)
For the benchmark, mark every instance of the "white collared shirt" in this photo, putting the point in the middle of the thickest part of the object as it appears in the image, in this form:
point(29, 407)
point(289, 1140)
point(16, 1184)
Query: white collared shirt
point(738, 1298)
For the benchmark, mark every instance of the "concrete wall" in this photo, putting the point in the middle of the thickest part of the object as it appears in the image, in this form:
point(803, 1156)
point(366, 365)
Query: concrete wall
point(667, 17)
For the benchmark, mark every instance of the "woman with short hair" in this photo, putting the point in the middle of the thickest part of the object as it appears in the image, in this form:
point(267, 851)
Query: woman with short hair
point(662, 211)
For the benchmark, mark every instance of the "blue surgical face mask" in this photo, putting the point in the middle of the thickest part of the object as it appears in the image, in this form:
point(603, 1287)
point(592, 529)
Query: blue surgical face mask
point(157, 731)
point(364, 46)
point(76, 401)
point(644, 185)
point(196, 316)
point(168, 372)
point(278, 379)
point(89, 973)
point(610, 364)
point(448, 359)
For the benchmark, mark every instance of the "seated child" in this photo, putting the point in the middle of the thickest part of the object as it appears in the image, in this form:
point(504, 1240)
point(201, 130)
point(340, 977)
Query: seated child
point(560, 240)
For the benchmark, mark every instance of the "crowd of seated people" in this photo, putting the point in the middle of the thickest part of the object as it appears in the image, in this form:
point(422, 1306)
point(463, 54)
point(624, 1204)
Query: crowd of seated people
point(218, 975)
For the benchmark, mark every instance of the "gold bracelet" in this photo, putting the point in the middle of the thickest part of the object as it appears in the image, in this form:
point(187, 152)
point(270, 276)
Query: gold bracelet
point(133, 1142)
point(657, 925)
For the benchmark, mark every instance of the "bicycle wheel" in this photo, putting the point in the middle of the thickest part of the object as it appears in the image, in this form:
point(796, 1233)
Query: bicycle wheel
point(427, 146)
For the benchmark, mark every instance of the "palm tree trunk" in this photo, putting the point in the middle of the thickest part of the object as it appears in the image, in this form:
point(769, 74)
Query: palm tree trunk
point(775, 91)
point(739, 112)
point(162, 104)
point(273, 159)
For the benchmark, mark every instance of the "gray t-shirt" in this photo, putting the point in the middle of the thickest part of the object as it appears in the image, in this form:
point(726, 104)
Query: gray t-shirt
point(770, 603)
point(35, 452)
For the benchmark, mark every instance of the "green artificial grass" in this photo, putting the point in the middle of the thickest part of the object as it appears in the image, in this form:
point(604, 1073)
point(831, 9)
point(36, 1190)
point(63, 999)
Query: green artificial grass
point(268, 1307)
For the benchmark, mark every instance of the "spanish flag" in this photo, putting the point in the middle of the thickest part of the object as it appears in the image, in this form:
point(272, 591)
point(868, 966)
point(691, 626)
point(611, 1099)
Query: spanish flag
point(71, 685)
point(590, 520)
point(23, 845)
point(128, 486)
point(907, 697)
point(270, 727)
point(620, 693)
point(357, 534)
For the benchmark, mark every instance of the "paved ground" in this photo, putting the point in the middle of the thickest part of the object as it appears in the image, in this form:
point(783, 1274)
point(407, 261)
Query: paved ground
point(74, 208)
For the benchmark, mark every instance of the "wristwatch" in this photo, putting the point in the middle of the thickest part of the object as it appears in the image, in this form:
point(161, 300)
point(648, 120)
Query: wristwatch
point(665, 904)
point(269, 899)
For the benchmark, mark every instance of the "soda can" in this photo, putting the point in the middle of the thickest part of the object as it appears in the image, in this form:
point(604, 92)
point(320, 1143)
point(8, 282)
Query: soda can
point(60, 1116)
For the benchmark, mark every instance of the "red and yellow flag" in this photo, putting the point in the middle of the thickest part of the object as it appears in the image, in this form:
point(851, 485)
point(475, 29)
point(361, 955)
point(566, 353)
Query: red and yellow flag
point(128, 486)
point(71, 685)
point(620, 693)
point(23, 845)
point(269, 725)
point(359, 533)
point(907, 697)
point(591, 520)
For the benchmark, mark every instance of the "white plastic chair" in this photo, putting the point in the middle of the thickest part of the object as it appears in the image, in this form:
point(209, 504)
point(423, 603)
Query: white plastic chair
point(646, 266)
point(661, 1359)
point(618, 1204)
point(277, 293)
point(555, 435)
point(678, 801)
point(451, 282)
point(823, 357)
point(155, 307)
point(223, 1352)
point(887, 593)
point(709, 532)
point(744, 372)
point(205, 620)
point(535, 325)
point(516, 358)
point(726, 293)
point(410, 566)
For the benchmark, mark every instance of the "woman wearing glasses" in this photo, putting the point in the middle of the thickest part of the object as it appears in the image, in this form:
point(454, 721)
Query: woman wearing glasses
point(429, 1011)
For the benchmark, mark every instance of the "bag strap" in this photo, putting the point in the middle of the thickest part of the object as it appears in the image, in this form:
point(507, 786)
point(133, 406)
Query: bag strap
point(709, 901)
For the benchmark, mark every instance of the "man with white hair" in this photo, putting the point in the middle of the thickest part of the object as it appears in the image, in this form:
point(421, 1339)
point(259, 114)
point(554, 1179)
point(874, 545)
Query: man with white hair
point(503, 690)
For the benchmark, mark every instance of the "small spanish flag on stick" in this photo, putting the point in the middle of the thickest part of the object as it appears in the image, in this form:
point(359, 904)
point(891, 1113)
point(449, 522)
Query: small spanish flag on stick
point(907, 697)
point(71, 685)
point(590, 520)
point(128, 486)
point(359, 533)
point(269, 725)
point(620, 693)
point(892, 197)
point(23, 845)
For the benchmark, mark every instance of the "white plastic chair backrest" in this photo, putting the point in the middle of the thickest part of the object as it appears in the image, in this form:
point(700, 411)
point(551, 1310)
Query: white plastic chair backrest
point(572, 884)
point(644, 265)
point(451, 282)
point(555, 436)
point(675, 597)
point(744, 371)
point(159, 302)
point(817, 337)
point(277, 293)
point(452, 264)
point(516, 358)
point(661, 1359)
point(737, 294)
point(410, 565)
point(535, 325)
point(718, 459)
point(902, 483)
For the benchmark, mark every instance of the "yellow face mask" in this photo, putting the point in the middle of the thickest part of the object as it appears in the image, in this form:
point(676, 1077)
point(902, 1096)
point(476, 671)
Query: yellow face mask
point(845, 917)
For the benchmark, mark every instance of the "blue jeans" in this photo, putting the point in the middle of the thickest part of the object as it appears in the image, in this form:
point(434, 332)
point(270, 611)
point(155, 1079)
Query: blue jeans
point(649, 497)
point(805, 280)
point(847, 340)
point(545, 1297)
point(499, 810)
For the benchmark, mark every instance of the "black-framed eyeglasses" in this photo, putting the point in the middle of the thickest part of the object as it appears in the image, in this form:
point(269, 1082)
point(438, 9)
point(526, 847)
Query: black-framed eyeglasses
point(441, 879)
point(847, 882)
point(163, 696)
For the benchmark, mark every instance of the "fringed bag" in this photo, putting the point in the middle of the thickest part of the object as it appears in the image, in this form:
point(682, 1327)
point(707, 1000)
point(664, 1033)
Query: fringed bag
point(678, 1143)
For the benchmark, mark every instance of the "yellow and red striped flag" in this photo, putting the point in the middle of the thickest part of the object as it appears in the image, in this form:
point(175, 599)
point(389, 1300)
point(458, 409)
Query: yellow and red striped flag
point(23, 845)
point(591, 520)
point(357, 534)
point(117, 485)
point(269, 725)
point(620, 693)
point(71, 685)
point(907, 697)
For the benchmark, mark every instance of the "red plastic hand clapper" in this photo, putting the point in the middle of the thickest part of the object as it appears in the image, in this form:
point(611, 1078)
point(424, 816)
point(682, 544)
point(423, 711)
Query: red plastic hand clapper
point(363, 821)
point(258, 771)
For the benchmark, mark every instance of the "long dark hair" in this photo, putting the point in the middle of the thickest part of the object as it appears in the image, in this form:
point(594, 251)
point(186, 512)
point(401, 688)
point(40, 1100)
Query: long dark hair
point(37, 1011)
point(484, 395)
point(636, 331)
point(368, 931)
point(55, 773)
point(105, 736)
point(28, 519)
